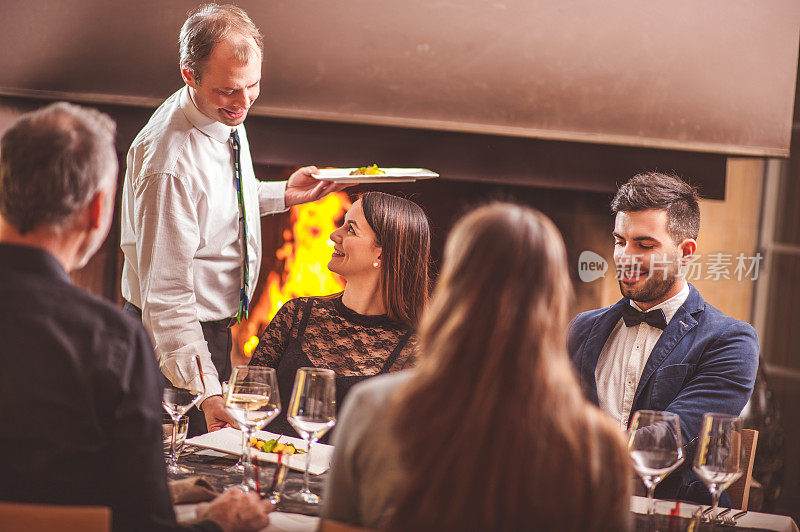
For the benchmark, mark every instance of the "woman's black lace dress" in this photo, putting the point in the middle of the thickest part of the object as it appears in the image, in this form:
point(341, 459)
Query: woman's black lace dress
point(322, 332)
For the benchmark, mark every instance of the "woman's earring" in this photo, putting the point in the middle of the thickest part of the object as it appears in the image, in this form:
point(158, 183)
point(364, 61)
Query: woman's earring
point(375, 264)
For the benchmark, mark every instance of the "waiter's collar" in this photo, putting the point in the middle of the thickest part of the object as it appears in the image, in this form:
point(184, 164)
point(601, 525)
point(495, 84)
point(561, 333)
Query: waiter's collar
point(214, 129)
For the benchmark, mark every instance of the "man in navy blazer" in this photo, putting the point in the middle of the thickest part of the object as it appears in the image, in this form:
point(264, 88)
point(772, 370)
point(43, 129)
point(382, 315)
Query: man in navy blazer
point(662, 347)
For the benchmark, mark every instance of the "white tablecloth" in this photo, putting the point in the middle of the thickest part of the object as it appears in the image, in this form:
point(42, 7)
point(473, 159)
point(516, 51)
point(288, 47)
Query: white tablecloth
point(286, 522)
point(282, 522)
point(278, 521)
point(780, 523)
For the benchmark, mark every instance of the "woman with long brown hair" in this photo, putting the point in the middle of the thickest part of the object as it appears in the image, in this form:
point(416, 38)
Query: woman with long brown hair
point(382, 250)
point(490, 431)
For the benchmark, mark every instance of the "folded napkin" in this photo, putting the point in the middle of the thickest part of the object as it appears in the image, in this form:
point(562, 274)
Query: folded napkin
point(192, 489)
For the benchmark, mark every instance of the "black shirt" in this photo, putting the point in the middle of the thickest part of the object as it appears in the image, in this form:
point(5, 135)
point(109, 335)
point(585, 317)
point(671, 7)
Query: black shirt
point(80, 398)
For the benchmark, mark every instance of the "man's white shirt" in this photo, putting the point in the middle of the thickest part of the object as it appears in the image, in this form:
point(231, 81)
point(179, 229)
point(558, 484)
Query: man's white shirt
point(624, 357)
point(180, 227)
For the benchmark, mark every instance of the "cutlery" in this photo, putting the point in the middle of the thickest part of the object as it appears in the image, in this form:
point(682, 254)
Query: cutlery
point(731, 520)
point(704, 514)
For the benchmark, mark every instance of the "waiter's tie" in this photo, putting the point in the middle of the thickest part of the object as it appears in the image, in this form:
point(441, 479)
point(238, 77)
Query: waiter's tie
point(244, 300)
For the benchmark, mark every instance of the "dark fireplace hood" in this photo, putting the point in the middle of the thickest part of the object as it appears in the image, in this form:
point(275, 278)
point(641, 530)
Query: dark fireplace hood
point(574, 94)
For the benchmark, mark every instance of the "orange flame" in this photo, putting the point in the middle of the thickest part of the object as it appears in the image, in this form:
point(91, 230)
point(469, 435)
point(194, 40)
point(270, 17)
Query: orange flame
point(305, 255)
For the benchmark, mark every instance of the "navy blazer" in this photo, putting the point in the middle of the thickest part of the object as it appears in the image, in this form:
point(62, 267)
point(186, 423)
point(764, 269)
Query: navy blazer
point(704, 361)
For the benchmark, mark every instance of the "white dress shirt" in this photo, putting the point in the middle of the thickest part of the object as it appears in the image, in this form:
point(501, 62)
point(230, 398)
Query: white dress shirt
point(180, 226)
point(624, 356)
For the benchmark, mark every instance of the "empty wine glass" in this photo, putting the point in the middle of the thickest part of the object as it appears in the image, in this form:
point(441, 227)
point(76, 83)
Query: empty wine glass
point(252, 400)
point(312, 413)
point(654, 443)
point(183, 387)
point(180, 439)
point(720, 454)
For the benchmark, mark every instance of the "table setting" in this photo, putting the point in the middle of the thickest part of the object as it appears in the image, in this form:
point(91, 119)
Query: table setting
point(656, 448)
point(668, 516)
point(684, 516)
point(290, 472)
point(287, 471)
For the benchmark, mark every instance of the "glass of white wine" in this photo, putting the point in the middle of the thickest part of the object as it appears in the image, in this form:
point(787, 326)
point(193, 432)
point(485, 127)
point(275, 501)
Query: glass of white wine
point(719, 458)
point(238, 467)
point(312, 413)
point(655, 445)
point(252, 400)
point(183, 387)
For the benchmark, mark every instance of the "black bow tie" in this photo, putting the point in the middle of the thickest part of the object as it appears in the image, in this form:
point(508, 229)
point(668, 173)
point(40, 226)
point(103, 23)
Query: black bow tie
point(633, 317)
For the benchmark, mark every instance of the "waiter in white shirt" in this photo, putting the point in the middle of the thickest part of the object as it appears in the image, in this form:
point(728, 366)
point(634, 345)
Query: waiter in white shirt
point(191, 204)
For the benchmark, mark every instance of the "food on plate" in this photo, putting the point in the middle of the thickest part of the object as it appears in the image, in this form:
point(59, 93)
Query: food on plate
point(368, 170)
point(274, 446)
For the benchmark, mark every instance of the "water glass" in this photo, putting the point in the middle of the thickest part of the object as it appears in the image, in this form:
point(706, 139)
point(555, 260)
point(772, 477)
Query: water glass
point(312, 413)
point(655, 445)
point(720, 453)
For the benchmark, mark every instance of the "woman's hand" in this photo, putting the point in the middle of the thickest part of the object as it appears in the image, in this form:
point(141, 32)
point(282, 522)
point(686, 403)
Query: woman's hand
point(237, 511)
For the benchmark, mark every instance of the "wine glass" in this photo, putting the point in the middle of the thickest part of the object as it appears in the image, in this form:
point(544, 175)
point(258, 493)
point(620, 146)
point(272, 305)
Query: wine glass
point(720, 453)
point(654, 443)
point(312, 413)
point(180, 439)
point(238, 467)
point(184, 386)
point(252, 400)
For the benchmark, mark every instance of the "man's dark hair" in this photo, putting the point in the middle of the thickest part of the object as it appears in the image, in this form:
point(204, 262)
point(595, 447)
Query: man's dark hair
point(654, 190)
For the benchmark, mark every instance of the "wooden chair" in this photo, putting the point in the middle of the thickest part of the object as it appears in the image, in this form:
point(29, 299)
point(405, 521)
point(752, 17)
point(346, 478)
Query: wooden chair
point(335, 526)
point(15, 517)
point(739, 491)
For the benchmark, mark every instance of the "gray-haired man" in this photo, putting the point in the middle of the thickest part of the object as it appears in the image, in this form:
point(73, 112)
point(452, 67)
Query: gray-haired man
point(191, 199)
point(80, 393)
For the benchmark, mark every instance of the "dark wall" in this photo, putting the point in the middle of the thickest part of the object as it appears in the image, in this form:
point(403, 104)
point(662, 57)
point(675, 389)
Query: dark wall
point(716, 78)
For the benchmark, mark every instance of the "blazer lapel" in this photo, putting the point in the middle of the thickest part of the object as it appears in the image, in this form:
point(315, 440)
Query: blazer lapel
point(593, 346)
point(681, 323)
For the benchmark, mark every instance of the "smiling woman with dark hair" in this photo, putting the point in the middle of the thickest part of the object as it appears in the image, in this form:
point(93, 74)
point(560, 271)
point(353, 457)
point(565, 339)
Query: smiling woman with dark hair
point(382, 251)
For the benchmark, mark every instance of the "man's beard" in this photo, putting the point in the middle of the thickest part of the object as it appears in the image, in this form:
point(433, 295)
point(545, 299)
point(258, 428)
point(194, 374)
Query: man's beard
point(655, 287)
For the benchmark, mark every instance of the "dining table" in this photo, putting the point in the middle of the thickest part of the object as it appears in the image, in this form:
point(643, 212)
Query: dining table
point(211, 465)
point(289, 516)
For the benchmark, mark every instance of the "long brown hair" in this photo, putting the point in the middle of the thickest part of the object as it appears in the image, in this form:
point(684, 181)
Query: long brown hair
point(403, 233)
point(493, 430)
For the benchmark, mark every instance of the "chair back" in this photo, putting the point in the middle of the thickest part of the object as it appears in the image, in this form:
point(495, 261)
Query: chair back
point(15, 517)
point(739, 490)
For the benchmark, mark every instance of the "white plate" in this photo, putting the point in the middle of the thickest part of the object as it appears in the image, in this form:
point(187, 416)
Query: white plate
point(229, 440)
point(392, 175)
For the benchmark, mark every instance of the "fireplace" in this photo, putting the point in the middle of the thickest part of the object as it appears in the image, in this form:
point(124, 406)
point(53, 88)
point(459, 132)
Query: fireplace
point(294, 262)
point(296, 245)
